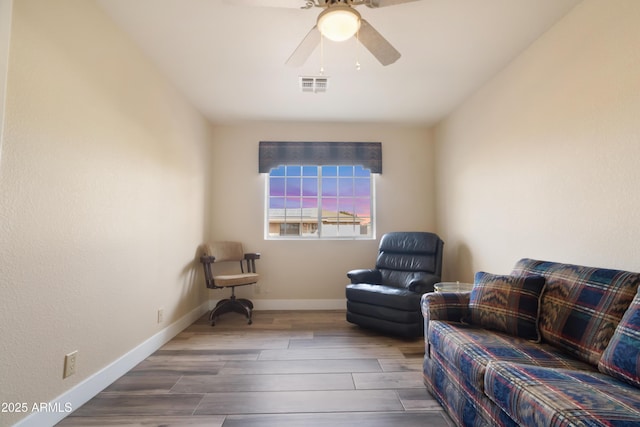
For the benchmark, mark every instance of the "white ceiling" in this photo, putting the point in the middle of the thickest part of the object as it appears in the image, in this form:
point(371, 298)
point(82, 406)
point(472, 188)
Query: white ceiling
point(228, 59)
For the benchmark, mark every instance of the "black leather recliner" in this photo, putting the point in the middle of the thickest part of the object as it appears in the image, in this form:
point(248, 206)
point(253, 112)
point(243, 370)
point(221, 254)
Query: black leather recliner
point(387, 298)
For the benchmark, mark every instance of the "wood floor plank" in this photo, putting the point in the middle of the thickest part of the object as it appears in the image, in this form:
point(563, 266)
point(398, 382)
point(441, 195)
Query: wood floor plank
point(242, 383)
point(204, 342)
point(109, 404)
point(211, 354)
point(301, 401)
point(145, 421)
point(350, 419)
point(395, 365)
point(387, 380)
point(300, 366)
point(374, 352)
point(418, 399)
point(145, 384)
point(342, 341)
point(155, 365)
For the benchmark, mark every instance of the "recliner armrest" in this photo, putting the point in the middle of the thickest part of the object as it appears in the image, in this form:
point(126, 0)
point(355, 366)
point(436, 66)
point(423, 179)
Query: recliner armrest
point(423, 284)
point(365, 276)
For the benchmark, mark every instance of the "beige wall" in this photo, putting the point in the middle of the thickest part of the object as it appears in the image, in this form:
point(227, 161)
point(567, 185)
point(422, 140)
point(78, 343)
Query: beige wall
point(544, 161)
point(316, 269)
point(102, 199)
point(5, 35)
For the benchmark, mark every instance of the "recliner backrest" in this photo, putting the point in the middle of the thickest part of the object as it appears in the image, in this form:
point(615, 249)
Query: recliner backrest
point(405, 256)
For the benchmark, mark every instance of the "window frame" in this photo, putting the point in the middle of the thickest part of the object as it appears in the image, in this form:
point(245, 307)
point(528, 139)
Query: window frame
point(319, 236)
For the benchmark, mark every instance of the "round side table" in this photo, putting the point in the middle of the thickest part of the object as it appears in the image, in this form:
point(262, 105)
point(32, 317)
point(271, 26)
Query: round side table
point(453, 287)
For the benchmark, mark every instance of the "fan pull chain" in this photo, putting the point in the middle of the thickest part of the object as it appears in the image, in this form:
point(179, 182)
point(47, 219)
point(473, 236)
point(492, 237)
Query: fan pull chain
point(358, 50)
point(321, 55)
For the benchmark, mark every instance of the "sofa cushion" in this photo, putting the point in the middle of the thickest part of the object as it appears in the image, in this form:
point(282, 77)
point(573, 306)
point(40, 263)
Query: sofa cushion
point(507, 304)
point(465, 405)
point(538, 396)
point(581, 306)
point(621, 359)
point(469, 350)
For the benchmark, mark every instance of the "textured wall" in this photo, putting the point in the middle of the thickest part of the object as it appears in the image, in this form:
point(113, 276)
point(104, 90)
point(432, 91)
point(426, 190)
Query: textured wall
point(5, 34)
point(543, 161)
point(102, 199)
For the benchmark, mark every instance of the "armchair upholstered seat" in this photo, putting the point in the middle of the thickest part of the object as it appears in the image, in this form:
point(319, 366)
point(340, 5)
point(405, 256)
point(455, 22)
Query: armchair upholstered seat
point(387, 298)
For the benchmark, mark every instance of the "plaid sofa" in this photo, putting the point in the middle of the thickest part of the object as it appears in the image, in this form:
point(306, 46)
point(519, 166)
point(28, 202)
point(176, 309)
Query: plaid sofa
point(578, 366)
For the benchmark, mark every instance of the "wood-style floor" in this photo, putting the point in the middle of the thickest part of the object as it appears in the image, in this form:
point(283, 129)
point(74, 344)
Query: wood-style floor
point(290, 368)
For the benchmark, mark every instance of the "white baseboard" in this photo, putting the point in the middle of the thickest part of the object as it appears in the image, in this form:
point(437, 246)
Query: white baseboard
point(299, 304)
point(295, 304)
point(87, 389)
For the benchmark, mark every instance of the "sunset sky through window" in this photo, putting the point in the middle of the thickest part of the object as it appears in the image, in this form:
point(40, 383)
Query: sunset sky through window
point(342, 188)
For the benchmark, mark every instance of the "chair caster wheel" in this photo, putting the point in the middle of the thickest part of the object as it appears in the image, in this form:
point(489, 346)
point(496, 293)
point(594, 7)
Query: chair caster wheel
point(250, 322)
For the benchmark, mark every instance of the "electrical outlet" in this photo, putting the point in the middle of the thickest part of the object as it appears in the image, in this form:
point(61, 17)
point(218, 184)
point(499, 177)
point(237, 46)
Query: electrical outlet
point(160, 315)
point(70, 364)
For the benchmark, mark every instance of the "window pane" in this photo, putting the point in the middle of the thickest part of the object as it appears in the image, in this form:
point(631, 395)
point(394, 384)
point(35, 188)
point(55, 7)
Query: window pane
point(279, 171)
point(329, 186)
point(289, 229)
point(362, 187)
point(309, 171)
point(345, 206)
point(276, 202)
point(363, 207)
point(329, 171)
point(345, 187)
point(293, 187)
point(293, 203)
point(361, 171)
point(308, 203)
point(276, 187)
point(330, 204)
point(309, 186)
point(294, 170)
point(310, 229)
point(345, 170)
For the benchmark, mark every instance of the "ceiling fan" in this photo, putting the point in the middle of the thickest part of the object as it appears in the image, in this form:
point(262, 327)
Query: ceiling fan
point(338, 21)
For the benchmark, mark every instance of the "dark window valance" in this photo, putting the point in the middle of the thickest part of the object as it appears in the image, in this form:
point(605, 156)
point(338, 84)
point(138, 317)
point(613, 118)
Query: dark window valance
point(273, 154)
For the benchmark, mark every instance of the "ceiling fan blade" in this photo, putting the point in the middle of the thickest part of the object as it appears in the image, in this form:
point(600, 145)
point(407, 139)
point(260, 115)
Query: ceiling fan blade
point(305, 48)
point(376, 44)
point(290, 4)
point(385, 3)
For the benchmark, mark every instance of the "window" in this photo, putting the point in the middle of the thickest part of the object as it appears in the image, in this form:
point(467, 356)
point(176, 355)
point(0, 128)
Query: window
point(329, 201)
point(320, 190)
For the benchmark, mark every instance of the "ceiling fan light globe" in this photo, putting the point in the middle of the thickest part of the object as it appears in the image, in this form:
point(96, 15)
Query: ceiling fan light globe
point(339, 23)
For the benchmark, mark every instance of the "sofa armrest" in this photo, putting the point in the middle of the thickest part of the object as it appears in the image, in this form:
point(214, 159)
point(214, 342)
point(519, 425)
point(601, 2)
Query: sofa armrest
point(448, 306)
point(365, 276)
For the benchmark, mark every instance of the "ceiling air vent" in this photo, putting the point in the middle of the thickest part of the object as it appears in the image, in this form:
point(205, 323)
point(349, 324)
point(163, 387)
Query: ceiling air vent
point(314, 84)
